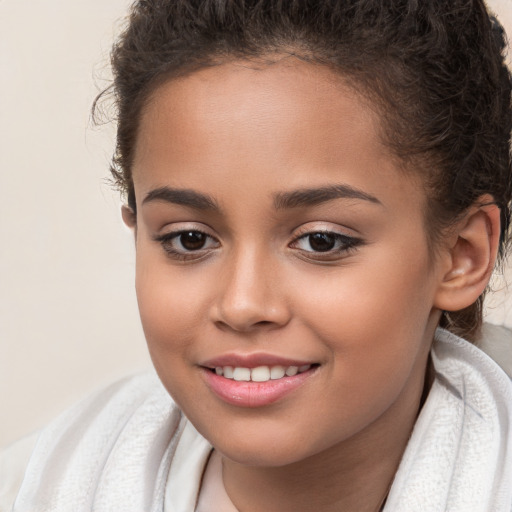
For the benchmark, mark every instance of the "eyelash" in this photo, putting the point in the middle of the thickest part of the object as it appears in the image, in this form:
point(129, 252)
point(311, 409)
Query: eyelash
point(167, 239)
point(345, 245)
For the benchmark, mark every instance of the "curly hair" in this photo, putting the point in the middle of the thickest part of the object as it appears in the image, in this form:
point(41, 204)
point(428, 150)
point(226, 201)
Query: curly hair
point(435, 70)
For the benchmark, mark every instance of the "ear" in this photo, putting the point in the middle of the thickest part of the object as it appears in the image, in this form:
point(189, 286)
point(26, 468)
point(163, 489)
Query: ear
point(470, 256)
point(129, 217)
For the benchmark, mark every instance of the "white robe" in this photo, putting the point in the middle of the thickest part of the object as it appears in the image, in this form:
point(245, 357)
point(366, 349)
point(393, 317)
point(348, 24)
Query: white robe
point(130, 449)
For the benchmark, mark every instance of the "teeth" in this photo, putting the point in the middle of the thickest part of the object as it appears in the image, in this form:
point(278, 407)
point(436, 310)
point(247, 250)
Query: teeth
point(260, 373)
point(291, 371)
point(242, 374)
point(277, 372)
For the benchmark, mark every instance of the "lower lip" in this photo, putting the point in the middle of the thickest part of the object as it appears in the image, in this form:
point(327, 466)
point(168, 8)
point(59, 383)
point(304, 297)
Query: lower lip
point(254, 394)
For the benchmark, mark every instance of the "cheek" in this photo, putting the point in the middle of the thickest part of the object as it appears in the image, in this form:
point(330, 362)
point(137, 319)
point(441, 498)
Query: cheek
point(171, 317)
point(376, 343)
point(371, 315)
point(170, 308)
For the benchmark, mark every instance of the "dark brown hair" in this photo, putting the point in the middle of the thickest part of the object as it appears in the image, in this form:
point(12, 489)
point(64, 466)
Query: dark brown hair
point(434, 69)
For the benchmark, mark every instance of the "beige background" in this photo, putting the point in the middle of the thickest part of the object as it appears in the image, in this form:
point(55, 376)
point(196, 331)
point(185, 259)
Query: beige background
point(68, 316)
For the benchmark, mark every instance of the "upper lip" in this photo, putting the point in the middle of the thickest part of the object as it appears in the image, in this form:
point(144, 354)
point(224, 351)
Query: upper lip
point(252, 361)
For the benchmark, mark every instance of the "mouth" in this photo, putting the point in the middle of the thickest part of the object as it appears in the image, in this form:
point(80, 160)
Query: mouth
point(256, 385)
point(260, 373)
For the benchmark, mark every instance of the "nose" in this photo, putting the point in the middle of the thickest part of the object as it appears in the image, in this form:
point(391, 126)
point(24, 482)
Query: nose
point(250, 295)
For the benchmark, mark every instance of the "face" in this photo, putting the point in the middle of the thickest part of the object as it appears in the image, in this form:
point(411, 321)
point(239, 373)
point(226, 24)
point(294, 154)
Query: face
point(276, 235)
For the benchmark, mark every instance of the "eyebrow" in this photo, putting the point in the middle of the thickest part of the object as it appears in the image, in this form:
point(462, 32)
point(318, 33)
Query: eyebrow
point(314, 196)
point(282, 200)
point(183, 197)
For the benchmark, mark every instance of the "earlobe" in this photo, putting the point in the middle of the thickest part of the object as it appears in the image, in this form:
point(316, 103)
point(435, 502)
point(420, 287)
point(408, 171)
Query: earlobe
point(129, 217)
point(471, 258)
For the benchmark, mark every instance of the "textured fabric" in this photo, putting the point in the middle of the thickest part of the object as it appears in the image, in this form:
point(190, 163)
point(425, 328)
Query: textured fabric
point(459, 457)
point(13, 461)
point(112, 452)
point(129, 448)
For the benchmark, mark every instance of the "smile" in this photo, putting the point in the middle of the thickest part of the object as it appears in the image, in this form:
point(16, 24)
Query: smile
point(256, 386)
point(260, 373)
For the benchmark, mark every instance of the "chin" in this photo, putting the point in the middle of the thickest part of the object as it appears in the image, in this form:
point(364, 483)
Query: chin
point(261, 447)
point(261, 457)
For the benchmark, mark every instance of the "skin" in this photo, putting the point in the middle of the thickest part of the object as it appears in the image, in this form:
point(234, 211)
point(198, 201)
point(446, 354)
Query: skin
point(241, 134)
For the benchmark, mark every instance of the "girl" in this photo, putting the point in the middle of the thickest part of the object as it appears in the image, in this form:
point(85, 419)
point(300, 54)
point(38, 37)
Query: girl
point(318, 193)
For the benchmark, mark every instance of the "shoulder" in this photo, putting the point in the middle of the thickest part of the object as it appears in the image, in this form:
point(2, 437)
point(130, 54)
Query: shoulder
point(13, 461)
point(458, 456)
point(496, 342)
point(83, 432)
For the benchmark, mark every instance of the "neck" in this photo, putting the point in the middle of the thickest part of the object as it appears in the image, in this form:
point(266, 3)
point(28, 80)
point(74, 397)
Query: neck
point(297, 490)
point(353, 476)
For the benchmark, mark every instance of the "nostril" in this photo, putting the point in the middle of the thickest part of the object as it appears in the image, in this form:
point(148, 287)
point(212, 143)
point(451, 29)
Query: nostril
point(263, 323)
point(233, 313)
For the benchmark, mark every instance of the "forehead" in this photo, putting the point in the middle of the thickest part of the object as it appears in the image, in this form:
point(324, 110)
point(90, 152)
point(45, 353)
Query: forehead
point(262, 100)
point(289, 122)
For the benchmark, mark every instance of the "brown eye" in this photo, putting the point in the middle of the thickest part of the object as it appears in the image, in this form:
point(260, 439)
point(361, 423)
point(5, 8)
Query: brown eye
point(322, 242)
point(188, 244)
point(192, 240)
point(326, 244)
